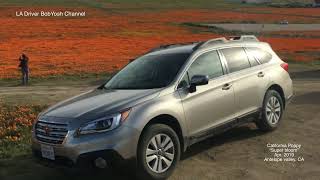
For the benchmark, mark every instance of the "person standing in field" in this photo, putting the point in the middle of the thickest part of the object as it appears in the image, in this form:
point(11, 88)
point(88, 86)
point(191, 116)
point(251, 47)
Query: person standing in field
point(24, 61)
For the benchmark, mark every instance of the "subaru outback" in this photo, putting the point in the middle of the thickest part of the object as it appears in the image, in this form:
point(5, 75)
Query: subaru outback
point(158, 105)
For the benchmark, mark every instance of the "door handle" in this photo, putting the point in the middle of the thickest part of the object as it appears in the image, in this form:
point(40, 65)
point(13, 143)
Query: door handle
point(226, 86)
point(261, 74)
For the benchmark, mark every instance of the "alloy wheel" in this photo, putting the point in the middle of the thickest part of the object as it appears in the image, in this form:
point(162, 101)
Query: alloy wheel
point(273, 110)
point(160, 153)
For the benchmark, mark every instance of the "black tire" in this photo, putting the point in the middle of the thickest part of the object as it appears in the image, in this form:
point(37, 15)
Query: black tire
point(266, 123)
point(144, 170)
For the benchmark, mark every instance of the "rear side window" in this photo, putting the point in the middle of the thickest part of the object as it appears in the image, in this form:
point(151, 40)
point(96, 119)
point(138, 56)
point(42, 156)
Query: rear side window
point(207, 64)
point(237, 59)
point(261, 55)
point(253, 61)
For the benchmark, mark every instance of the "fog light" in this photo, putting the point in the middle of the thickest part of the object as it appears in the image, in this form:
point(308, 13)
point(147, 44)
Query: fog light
point(100, 163)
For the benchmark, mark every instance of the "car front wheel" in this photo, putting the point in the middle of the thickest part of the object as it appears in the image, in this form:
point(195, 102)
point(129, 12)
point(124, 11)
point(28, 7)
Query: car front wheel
point(158, 152)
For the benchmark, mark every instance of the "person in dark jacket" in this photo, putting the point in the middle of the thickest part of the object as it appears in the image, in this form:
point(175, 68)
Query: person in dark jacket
point(24, 61)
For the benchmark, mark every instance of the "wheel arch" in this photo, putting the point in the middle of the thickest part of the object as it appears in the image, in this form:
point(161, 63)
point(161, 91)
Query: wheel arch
point(170, 121)
point(279, 89)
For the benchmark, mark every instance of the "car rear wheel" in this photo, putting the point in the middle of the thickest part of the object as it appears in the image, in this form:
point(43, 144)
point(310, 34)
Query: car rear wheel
point(272, 111)
point(158, 152)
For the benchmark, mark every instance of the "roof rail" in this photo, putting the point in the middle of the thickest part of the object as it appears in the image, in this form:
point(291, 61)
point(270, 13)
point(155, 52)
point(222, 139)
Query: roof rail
point(224, 40)
point(164, 46)
point(212, 41)
point(244, 38)
point(202, 44)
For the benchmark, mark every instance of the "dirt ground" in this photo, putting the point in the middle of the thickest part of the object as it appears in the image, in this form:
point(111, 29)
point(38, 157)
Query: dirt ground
point(236, 154)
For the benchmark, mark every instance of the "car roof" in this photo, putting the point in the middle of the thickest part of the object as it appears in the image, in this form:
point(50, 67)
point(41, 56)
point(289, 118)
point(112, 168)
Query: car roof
point(189, 48)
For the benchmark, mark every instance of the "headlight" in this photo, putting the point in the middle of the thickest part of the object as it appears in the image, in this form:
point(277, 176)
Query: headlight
point(104, 124)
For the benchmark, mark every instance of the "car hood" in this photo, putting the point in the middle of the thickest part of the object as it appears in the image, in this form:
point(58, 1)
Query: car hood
point(97, 103)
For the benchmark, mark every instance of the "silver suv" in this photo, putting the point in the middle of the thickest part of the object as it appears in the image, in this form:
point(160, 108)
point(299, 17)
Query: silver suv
point(165, 101)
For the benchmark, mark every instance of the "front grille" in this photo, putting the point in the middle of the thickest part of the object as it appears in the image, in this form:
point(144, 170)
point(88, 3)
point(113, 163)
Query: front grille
point(53, 133)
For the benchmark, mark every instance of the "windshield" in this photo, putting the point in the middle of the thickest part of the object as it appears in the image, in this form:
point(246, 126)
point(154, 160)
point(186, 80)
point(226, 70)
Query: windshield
point(148, 72)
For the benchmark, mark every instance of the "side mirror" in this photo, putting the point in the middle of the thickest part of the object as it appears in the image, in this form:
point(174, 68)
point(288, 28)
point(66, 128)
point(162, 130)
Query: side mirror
point(198, 80)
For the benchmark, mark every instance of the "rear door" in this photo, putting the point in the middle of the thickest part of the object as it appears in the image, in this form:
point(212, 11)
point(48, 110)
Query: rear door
point(211, 104)
point(248, 79)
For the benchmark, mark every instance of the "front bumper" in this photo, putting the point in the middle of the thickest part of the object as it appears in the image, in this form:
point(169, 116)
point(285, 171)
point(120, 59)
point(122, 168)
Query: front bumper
point(85, 160)
point(116, 145)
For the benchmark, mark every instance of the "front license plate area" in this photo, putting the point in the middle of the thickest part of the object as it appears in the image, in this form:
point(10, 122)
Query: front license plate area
point(47, 152)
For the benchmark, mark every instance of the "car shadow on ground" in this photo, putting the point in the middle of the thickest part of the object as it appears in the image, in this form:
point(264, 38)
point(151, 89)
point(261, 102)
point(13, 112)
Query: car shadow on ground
point(246, 131)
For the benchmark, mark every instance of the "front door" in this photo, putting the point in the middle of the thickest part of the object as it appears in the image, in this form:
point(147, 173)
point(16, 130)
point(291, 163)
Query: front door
point(210, 104)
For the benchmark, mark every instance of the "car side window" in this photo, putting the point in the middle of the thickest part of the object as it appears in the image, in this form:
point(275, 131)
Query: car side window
point(236, 58)
point(208, 63)
point(261, 55)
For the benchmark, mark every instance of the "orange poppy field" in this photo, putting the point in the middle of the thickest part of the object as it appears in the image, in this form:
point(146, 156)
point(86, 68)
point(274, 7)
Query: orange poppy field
point(105, 41)
point(13, 120)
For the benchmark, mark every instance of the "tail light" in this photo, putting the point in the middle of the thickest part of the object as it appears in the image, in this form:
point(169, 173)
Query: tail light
point(285, 66)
